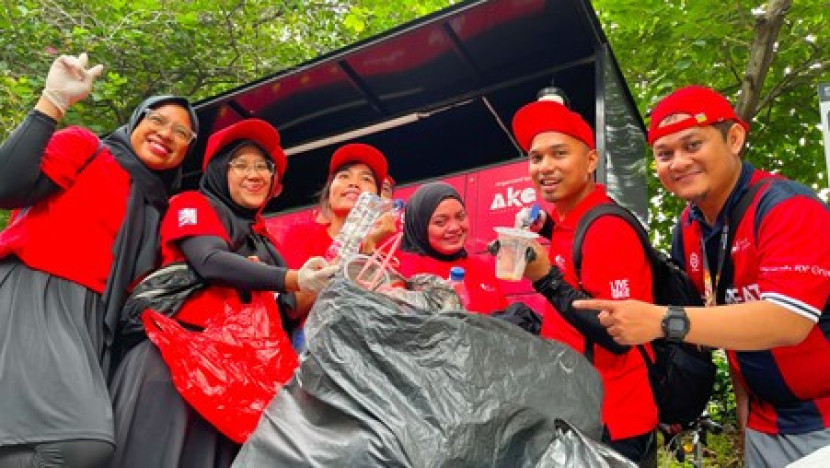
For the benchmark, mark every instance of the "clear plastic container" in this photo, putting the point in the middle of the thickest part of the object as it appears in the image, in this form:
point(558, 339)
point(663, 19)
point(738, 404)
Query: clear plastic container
point(362, 216)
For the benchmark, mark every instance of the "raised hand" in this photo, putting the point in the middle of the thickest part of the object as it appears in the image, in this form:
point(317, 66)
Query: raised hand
point(69, 80)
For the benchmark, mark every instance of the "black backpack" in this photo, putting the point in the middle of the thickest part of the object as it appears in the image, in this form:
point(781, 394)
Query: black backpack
point(681, 375)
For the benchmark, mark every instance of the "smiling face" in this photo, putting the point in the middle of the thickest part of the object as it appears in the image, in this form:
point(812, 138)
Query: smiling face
point(700, 165)
point(250, 175)
point(448, 227)
point(161, 147)
point(561, 168)
point(347, 184)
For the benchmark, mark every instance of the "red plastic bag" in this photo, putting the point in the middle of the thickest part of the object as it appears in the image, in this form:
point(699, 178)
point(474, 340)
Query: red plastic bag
point(230, 371)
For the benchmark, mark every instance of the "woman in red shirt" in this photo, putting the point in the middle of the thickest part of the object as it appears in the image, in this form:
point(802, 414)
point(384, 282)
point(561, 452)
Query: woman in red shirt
point(84, 229)
point(435, 230)
point(220, 233)
point(354, 168)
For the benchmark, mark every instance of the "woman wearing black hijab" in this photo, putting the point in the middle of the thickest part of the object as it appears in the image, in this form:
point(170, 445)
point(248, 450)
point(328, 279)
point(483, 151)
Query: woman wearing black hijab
point(220, 233)
point(83, 230)
point(434, 233)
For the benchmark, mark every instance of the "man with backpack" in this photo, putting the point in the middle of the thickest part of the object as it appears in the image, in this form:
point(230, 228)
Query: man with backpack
point(562, 160)
point(765, 276)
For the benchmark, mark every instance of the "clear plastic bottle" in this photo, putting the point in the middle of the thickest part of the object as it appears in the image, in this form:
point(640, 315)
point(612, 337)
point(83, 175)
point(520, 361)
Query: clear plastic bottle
point(366, 210)
point(456, 281)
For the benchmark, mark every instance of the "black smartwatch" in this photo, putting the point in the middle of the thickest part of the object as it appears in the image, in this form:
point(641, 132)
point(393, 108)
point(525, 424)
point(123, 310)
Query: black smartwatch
point(675, 324)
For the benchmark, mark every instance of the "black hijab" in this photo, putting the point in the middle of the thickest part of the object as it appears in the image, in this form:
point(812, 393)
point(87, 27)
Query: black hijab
point(238, 220)
point(418, 211)
point(136, 246)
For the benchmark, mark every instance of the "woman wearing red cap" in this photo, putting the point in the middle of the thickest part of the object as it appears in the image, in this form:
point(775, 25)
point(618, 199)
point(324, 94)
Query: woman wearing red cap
point(85, 227)
point(219, 232)
point(354, 168)
point(435, 230)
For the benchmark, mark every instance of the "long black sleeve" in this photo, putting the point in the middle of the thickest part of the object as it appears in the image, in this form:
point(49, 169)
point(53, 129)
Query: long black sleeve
point(561, 295)
point(21, 181)
point(210, 257)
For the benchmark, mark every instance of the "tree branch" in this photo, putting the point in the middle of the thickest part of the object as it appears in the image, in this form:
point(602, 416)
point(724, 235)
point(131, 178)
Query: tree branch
point(761, 54)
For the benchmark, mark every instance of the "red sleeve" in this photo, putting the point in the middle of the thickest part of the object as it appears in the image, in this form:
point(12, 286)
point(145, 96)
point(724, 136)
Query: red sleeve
point(614, 264)
point(794, 256)
point(190, 214)
point(67, 152)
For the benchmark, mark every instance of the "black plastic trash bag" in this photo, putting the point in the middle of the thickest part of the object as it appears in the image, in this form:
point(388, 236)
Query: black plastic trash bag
point(383, 384)
point(572, 448)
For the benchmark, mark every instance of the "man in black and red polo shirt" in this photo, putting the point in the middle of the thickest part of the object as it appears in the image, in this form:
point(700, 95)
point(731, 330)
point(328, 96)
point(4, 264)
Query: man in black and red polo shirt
point(562, 159)
point(774, 321)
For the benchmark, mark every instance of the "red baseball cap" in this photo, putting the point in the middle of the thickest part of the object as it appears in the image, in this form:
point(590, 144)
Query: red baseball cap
point(705, 106)
point(361, 153)
point(549, 116)
point(260, 131)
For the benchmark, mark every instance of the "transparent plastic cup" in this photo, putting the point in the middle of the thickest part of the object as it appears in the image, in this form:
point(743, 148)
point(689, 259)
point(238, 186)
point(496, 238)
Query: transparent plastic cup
point(511, 259)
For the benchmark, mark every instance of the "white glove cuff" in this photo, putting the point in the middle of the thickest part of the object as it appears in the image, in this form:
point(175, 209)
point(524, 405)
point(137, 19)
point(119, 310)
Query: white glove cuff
point(57, 99)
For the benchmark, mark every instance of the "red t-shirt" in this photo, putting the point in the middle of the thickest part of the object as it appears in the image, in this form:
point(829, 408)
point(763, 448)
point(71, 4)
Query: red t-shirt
point(303, 241)
point(479, 280)
point(191, 214)
point(614, 266)
point(71, 233)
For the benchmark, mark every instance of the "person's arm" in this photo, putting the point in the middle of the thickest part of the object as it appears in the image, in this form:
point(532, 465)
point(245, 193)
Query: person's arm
point(22, 183)
point(750, 326)
point(210, 258)
point(547, 281)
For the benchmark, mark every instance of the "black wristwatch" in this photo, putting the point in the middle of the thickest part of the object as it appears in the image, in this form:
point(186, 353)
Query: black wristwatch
point(675, 324)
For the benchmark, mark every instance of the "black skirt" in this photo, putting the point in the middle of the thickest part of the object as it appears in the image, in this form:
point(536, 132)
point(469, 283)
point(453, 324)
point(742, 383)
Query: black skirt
point(154, 426)
point(52, 387)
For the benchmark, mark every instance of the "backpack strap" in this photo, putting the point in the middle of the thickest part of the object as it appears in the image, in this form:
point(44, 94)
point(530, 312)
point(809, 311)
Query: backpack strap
point(733, 219)
point(613, 209)
point(609, 208)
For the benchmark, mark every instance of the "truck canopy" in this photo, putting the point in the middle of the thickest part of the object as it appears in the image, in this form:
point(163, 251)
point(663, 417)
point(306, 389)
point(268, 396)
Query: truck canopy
point(437, 96)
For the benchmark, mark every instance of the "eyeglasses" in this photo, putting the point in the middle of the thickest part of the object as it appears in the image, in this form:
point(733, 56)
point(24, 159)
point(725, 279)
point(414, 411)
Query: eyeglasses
point(242, 168)
point(159, 122)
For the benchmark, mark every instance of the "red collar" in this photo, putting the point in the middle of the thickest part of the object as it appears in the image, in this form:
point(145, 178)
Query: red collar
point(597, 196)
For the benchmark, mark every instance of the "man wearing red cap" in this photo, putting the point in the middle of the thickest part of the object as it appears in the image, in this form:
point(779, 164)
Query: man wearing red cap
point(767, 295)
point(562, 160)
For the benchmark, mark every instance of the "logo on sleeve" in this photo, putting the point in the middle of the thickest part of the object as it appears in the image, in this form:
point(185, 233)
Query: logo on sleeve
point(694, 261)
point(187, 216)
point(620, 289)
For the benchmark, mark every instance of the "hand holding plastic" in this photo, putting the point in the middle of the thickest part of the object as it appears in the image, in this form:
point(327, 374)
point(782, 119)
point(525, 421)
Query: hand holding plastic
point(69, 80)
point(315, 274)
point(532, 218)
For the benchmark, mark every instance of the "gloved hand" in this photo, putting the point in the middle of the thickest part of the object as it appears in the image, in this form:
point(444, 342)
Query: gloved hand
point(69, 80)
point(315, 274)
point(531, 218)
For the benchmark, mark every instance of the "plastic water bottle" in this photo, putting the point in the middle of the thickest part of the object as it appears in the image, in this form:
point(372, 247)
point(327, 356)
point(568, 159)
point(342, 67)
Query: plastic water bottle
point(456, 280)
point(362, 217)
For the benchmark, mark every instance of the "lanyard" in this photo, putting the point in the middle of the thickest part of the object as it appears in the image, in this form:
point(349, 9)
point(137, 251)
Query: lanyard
point(710, 280)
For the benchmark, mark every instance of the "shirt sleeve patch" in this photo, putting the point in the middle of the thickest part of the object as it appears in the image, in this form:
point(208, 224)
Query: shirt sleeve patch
point(187, 217)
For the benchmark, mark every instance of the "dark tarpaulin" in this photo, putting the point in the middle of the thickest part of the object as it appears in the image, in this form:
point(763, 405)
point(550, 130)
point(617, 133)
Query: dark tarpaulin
point(383, 384)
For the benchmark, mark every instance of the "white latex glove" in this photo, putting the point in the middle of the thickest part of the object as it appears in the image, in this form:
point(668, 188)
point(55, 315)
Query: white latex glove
point(315, 274)
point(69, 80)
point(521, 221)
